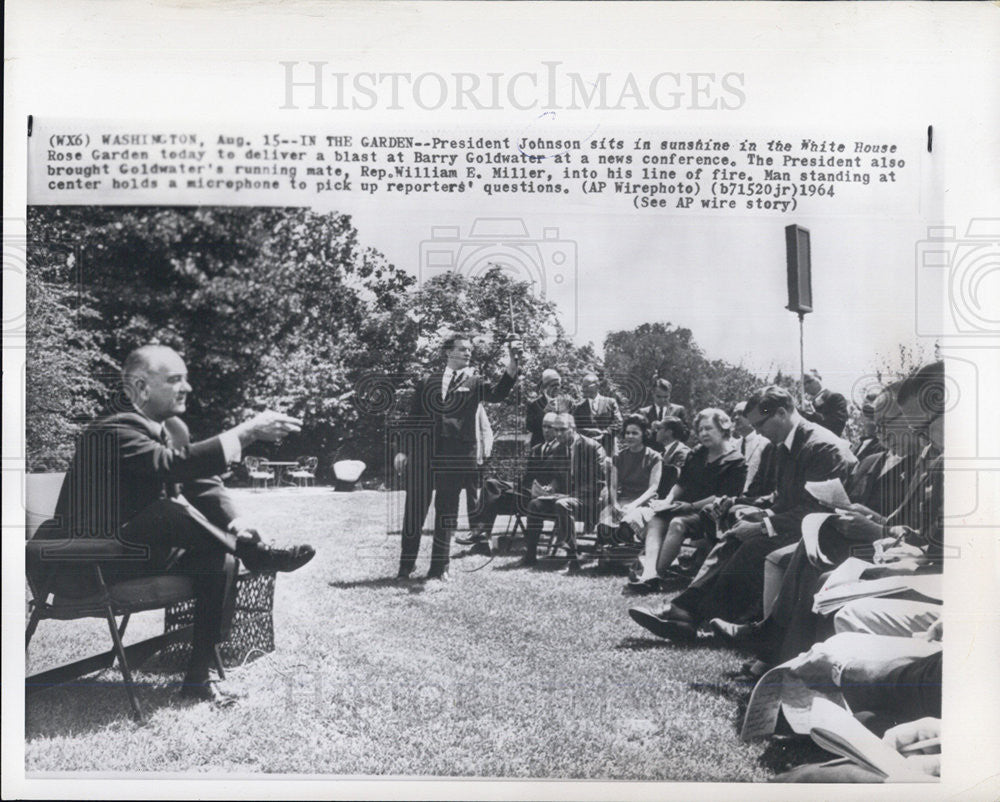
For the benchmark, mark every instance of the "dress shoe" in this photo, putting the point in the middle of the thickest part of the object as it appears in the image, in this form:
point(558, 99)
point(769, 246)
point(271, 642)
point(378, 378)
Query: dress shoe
point(206, 691)
point(403, 576)
point(639, 587)
point(664, 624)
point(260, 558)
point(574, 568)
point(439, 576)
point(470, 539)
point(739, 634)
point(527, 562)
point(482, 547)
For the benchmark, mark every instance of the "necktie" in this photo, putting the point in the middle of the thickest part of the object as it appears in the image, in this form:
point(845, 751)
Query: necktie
point(453, 383)
point(173, 490)
point(743, 447)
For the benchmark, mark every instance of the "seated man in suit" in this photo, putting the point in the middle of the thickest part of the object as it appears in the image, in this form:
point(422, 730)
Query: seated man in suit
point(906, 500)
point(826, 408)
point(598, 416)
point(563, 480)
point(137, 476)
point(500, 496)
point(730, 583)
point(662, 407)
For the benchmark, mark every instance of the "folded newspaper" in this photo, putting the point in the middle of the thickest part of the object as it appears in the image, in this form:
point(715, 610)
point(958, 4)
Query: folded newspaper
point(845, 585)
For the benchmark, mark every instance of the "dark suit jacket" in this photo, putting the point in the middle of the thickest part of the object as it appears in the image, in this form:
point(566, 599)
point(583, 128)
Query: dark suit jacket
point(673, 464)
point(830, 411)
point(881, 492)
point(673, 410)
point(120, 467)
point(576, 471)
point(601, 413)
point(867, 447)
point(816, 455)
point(600, 419)
point(452, 417)
point(534, 411)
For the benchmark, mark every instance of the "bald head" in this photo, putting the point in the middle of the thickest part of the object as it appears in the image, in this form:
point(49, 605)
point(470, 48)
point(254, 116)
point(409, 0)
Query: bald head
point(155, 380)
point(146, 358)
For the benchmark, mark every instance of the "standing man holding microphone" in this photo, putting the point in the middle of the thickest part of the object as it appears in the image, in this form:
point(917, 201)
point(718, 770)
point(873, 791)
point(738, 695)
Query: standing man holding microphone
point(442, 445)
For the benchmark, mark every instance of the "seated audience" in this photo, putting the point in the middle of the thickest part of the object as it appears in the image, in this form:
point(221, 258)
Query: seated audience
point(564, 482)
point(635, 477)
point(714, 468)
point(730, 582)
point(907, 413)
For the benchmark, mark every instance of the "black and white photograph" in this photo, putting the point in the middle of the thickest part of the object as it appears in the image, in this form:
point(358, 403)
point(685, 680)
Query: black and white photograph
point(555, 440)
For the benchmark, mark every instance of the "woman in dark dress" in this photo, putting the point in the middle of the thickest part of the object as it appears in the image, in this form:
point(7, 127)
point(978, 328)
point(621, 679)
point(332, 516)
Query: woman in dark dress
point(635, 477)
point(714, 469)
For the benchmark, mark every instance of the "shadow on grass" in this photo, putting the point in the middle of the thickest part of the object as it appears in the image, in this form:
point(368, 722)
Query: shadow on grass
point(372, 582)
point(86, 706)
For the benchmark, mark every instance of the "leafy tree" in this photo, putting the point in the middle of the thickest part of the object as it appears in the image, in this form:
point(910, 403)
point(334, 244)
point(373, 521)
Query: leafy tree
point(481, 307)
point(660, 350)
point(269, 306)
point(65, 365)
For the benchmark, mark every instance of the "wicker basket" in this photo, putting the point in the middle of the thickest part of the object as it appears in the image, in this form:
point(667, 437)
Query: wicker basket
point(252, 631)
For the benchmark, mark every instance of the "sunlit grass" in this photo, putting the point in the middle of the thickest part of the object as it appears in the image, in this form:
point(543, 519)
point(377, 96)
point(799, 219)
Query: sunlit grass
point(505, 672)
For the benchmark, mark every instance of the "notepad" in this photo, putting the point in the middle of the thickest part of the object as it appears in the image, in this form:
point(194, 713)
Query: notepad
point(834, 729)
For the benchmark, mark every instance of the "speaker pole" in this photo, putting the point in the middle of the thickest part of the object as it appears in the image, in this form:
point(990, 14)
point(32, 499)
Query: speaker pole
point(802, 358)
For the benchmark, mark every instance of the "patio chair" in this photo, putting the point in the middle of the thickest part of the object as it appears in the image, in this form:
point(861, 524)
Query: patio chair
point(258, 471)
point(305, 474)
point(66, 583)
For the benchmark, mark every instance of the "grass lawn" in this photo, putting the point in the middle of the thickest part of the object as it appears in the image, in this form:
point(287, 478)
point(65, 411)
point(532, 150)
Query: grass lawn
point(502, 673)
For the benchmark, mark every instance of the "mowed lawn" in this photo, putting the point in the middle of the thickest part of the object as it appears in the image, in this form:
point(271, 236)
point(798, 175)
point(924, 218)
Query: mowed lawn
point(504, 672)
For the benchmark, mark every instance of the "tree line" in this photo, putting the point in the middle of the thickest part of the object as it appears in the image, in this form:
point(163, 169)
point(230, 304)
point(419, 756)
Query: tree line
point(285, 308)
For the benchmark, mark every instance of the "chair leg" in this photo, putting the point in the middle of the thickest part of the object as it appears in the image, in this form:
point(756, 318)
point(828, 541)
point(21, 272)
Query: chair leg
point(36, 616)
point(123, 663)
point(218, 662)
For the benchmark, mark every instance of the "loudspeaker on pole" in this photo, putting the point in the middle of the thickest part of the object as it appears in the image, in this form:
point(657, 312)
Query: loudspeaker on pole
point(799, 270)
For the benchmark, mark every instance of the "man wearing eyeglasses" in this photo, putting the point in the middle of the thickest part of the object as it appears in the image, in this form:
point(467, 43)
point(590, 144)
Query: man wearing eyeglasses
point(908, 414)
point(731, 581)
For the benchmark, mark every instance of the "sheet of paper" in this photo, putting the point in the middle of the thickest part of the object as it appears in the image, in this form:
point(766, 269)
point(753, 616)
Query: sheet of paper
point(811, 525)
point(837, 731)
point(830, 493)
